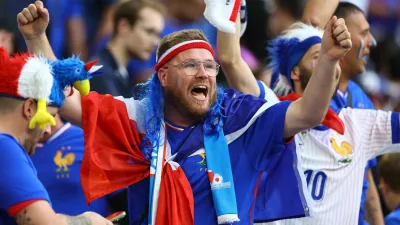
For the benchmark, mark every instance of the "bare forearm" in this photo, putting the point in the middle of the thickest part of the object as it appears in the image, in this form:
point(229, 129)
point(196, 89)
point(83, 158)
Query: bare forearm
point(72, 109)
point(75, 220)
point(309, 111)
point(372, 203)
point(237, 72)
point(41, 45)
point(315, 100)
point(43, 216)
point(318, 12)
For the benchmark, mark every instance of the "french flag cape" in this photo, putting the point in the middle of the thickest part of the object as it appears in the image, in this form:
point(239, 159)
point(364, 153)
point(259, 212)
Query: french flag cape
point(113, 130)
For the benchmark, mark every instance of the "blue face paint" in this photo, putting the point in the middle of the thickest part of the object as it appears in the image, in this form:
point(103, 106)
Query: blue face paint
point(360, 50)
point(373, 43)
point(313, 64)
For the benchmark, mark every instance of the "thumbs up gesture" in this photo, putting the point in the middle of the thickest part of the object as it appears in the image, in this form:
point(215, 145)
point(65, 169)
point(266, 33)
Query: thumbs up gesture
point(336, 41)
point(33, 20)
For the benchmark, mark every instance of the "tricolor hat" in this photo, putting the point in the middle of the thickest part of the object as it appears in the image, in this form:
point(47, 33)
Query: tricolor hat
point(25, 76)
point(287, 50)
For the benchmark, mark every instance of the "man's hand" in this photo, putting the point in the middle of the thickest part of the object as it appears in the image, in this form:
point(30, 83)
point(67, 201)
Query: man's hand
point(33, 20)
point(95, 218)
point(336, 41)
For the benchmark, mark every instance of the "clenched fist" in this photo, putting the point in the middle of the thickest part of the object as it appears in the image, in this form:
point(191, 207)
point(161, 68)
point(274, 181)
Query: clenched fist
point(33, 20)
point(336, 41)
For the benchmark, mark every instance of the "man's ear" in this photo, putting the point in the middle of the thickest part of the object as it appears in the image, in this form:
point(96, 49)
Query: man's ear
point(29, 108)
point(123, 26)
point(162, 76)
point(295, 75)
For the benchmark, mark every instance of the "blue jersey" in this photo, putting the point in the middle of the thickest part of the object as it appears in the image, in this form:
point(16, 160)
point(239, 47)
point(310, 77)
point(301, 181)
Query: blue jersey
point(19, 182)
point(58, 163)
point(361, 101)
point(393, 218)
point(258, 148)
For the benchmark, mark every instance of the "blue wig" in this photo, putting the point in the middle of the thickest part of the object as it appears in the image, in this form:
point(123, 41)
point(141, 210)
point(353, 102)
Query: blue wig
point(286, 51)
point(154, 115)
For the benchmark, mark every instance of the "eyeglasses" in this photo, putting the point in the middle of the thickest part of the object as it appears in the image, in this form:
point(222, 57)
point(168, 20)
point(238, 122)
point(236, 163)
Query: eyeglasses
point(192, 67)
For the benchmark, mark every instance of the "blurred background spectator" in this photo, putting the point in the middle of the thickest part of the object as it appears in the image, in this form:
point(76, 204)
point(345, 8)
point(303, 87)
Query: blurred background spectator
point(137, 27)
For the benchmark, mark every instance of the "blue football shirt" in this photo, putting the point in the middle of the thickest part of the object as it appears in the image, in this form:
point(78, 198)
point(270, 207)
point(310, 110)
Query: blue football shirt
point(258, 149)
point(19, 182)
point(58, 163)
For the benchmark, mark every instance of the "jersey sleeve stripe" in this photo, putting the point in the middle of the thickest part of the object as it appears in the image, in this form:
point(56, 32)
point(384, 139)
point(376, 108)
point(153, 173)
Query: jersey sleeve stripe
point(395, 128)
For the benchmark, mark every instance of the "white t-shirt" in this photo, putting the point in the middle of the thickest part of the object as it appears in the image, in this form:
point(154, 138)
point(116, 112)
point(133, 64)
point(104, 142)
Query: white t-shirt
point(334, 164)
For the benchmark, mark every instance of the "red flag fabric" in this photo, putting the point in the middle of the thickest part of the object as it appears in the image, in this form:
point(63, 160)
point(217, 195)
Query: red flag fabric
point(175, 189)
point(113, 159)
point(331, 119)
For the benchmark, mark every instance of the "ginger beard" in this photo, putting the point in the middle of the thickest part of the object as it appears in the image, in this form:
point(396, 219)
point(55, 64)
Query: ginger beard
point(193, 99)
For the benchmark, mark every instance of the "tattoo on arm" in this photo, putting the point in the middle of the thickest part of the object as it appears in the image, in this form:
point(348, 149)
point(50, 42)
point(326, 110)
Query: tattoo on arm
point(23, 219)
point(78, 220)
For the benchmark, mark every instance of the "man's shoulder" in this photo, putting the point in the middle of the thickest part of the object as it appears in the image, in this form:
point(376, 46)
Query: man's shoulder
point(393, 218)
point(106, 59)
point(360, 98)
point(355, 88)
point(8, 143)
point(11, 150)
point(241, 110)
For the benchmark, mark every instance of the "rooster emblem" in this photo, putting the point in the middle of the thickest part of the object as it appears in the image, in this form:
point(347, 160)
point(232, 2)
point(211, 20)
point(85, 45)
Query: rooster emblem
point(344, 150)
point(203, 161)
point(63, 162)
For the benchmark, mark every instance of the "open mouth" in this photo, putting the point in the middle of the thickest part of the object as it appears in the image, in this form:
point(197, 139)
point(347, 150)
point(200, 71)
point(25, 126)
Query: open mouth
point(200, 92)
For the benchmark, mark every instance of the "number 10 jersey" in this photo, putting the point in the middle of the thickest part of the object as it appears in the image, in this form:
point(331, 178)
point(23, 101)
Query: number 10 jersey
point(334, 164)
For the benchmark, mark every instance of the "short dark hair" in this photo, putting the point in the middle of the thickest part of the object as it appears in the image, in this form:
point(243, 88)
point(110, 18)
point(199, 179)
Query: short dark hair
point(345, 9)
point(130, 9)
point(389, 170)
point(175, 38)
point(8, 104)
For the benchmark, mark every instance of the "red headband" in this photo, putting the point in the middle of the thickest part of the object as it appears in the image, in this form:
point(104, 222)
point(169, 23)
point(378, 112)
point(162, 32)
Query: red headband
point(170, 53)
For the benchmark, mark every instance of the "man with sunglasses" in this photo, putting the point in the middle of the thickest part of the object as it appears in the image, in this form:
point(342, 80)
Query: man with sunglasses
point(191, 152)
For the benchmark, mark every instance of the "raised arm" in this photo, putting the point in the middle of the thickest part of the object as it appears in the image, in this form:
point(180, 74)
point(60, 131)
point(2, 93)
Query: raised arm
point(32, 22)
point(319, 12)
point(310, 110)
point(237, 72)
point(41, 213)
point(373, 209)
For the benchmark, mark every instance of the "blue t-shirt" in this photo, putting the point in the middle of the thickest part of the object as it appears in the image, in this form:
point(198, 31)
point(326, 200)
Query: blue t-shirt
point(258, 149)
point(359, 100)
point(19, 182)
point(393, 218)
point(58, 163)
